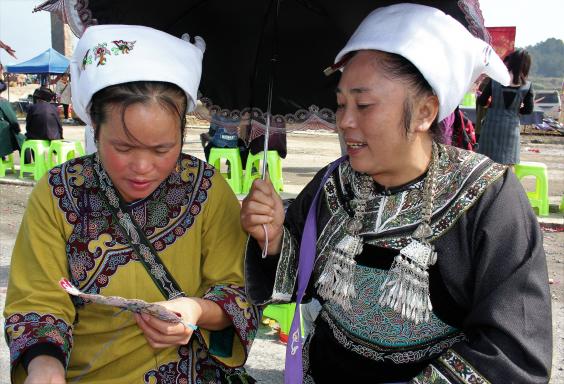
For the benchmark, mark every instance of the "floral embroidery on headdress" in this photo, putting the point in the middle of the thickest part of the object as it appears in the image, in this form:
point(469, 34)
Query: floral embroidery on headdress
point(87, 59)
point(123, 46)
point(101, 52)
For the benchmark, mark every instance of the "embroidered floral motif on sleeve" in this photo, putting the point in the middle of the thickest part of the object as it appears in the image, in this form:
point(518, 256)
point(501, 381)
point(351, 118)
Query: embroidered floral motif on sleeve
point(244, 316)
point(26, 330)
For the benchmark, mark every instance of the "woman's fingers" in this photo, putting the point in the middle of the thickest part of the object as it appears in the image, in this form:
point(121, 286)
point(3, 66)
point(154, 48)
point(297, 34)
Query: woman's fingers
point(160, 334)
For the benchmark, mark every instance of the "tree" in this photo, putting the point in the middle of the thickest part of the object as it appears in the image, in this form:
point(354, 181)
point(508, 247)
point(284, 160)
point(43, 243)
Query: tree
point(548, 58)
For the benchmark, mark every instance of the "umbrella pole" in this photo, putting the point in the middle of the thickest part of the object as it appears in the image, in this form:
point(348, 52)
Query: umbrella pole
point(273, 61)
point(267, 130)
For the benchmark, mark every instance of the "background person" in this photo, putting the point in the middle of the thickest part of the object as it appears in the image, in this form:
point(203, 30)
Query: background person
point(42, 120)
point(427, 259)
point(500, 131)
point(138, 219)
point(63, 91)
point(223, 133)
point(10, 137)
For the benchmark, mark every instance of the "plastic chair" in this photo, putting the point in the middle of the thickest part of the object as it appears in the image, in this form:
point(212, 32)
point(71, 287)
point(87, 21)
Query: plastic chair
point(7, 164)
point(79, 149)
point(234, 176)
point(38, 165)
point(539, 197)
point(252, 170)
point(62, 150)
point(469, 100)
point(283, 314)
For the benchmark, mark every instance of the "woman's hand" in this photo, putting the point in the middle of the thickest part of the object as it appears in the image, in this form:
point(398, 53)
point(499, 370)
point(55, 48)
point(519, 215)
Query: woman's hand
point(161, 334)
point(263, 206)
point(45, 369)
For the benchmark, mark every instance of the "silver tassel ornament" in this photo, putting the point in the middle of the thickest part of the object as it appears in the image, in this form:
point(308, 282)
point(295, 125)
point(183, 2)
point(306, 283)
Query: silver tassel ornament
point(406, 288)
point(336, 282)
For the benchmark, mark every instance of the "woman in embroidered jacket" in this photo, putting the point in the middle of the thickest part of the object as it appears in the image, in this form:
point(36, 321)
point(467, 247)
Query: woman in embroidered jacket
point(94, 219)
point(428, 259)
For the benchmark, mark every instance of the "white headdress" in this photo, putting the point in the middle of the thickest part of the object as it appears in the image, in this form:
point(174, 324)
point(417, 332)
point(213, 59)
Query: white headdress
point(114, 54)
point(447, 55)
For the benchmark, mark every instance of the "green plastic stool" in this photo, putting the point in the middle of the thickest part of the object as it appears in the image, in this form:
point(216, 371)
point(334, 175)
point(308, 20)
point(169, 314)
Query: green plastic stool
point(79, 149)
point(38, 165)
point(283, 314)
point(469, 100)
point(7, 164)
point(252, 170)
point(62, 151)
point(539, 197)
point(232, 157)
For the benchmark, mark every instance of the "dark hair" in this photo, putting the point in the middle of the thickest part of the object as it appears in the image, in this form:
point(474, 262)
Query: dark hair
point(43, 93)
point(398, 67)
point(2, 86)
point(167, 95)
point(518, 63)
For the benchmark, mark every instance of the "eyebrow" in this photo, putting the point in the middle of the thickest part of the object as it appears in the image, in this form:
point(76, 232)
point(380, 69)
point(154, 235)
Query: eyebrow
point(354, 90)
point(128, 144)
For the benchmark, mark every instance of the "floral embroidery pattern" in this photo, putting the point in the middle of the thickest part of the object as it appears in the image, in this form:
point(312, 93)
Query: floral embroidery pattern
point(123, 46)
point(242, 314)
point(382, 328)
point(464, 176)
point(430, 375)
point(101, 52)
point(23, 331)
point(461, 369)
point(205, 370)
point(95, 244)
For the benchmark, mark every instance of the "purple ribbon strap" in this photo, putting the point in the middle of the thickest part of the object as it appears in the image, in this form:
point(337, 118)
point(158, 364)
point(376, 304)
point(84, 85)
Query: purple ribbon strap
point(293, 368)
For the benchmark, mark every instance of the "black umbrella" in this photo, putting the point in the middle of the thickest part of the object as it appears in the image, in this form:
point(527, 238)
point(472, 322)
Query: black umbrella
point(258, 51)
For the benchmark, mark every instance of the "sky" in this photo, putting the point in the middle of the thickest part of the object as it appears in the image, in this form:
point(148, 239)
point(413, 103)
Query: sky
point(536, 20)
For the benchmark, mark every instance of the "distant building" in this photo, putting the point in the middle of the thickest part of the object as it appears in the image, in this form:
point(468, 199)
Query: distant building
point(62, 38)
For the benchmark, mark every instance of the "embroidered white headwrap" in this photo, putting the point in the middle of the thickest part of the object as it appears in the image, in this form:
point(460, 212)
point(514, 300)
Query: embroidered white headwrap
point(447, 55)
point(114, 54)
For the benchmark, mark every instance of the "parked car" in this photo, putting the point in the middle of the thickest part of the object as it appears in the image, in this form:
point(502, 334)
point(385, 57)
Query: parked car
point(549, 103)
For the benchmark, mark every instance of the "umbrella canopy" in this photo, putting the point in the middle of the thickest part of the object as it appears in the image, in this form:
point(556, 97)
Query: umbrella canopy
point(258, 50)
point(49, 61)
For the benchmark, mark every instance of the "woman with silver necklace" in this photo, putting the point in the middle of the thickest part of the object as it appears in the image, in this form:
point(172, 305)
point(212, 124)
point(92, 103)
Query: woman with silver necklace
point(427, 259)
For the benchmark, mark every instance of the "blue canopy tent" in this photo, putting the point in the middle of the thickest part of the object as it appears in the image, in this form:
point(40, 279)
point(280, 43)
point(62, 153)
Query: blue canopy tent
point(47, 62)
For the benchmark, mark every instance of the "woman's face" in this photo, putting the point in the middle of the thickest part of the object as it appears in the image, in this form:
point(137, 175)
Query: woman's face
point(370, 116)
point(139, 162)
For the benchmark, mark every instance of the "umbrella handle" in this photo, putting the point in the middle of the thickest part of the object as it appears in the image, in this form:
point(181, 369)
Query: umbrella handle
point(265, 249)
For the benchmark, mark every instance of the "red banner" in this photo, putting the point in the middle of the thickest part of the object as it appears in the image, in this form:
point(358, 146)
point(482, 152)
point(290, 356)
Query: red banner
point(502, 39)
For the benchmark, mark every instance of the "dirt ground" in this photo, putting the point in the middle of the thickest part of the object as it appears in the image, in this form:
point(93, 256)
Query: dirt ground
point(307, 153)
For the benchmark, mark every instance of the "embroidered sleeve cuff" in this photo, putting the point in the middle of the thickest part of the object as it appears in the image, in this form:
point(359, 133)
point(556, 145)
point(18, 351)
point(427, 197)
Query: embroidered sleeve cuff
point(26, 331)
point(231, 346)
point(450, 367)
point(287, 270)
point(261, 273)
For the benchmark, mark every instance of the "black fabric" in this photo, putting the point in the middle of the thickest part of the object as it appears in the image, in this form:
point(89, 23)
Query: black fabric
point(42, 349)
point(509, 95)
point(42, 122)
point(249, 42)
point(490, 281)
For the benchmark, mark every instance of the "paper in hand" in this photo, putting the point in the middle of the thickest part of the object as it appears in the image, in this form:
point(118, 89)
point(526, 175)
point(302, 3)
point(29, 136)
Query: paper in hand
point(133, 305)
